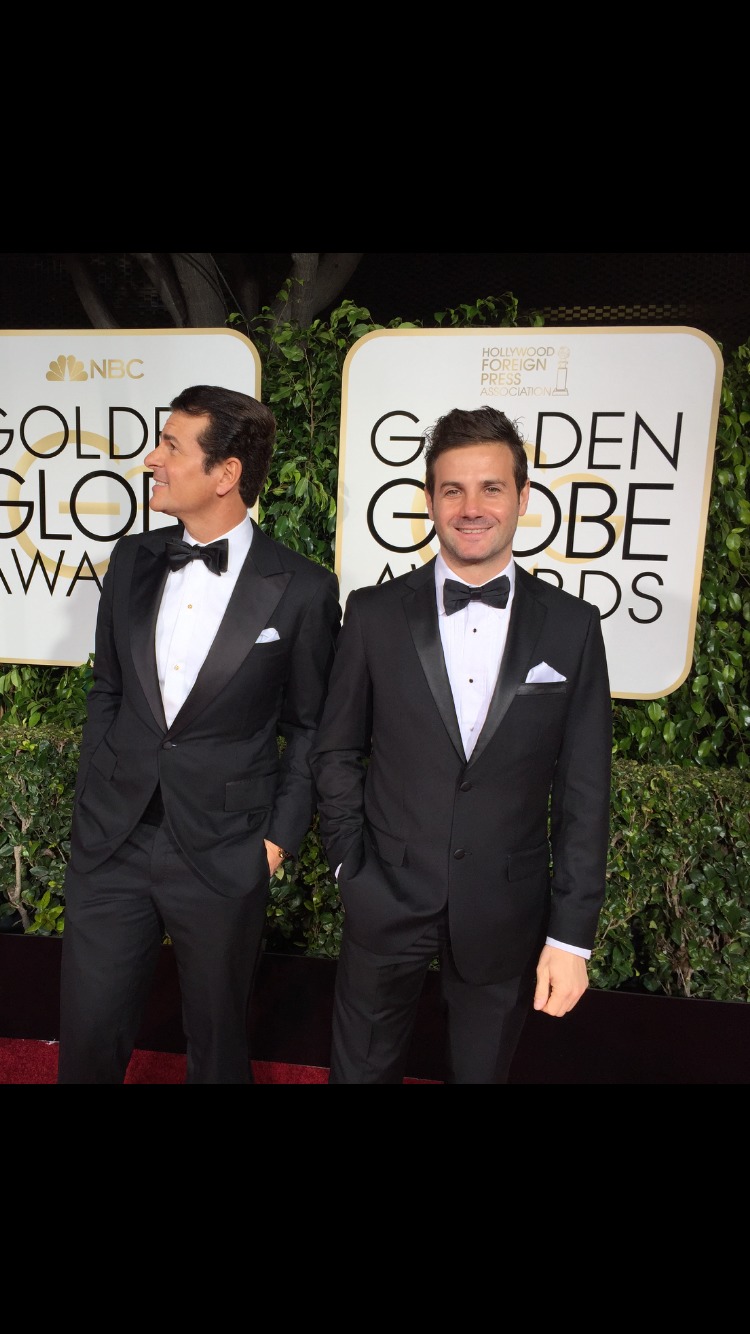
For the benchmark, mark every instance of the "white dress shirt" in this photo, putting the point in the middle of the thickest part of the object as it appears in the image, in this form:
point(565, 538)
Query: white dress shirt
point(473, 642)
point(192, 608)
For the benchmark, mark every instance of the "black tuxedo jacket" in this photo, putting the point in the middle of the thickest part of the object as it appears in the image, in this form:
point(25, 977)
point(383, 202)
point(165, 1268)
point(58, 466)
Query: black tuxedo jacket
point(514, 839)
point(223, 781)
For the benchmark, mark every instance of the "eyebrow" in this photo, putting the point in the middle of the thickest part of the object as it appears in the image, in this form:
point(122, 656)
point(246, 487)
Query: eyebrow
point(484, 481)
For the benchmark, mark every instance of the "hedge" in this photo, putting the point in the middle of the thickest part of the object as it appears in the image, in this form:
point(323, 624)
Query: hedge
point(676, 919)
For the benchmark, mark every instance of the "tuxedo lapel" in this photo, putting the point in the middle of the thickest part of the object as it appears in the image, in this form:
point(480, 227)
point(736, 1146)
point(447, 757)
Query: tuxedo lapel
point(526, 620)
point(421, 612)
point(260, 585)
point(150, 572)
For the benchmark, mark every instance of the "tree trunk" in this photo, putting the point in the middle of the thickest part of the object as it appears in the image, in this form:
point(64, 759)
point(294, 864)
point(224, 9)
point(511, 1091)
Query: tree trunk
point(201, 285)
point(161, 274)
point(316, 283)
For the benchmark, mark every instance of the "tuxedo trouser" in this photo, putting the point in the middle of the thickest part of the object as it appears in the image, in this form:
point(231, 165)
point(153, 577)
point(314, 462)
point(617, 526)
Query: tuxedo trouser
point(116, 918)
point(376, 999)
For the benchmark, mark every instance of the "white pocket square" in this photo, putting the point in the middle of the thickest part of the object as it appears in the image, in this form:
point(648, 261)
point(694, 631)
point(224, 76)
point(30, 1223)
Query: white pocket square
point(543, 672)
point(267, 635)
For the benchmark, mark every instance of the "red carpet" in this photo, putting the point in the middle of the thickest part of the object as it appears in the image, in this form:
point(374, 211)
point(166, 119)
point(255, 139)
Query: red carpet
point(23, 1061)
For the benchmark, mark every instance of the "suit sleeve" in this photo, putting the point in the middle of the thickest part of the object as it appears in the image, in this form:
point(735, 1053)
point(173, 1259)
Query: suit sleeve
point(344, 743)
point(581, 797)
point(105, 694)
point(301, 709)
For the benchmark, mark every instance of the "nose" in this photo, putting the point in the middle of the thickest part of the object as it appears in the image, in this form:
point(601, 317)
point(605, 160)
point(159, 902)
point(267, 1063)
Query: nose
point(151, 459)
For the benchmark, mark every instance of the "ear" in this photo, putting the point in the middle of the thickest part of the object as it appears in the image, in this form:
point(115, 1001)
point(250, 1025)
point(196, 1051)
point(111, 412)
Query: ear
point(428, 502)
point(230, 472)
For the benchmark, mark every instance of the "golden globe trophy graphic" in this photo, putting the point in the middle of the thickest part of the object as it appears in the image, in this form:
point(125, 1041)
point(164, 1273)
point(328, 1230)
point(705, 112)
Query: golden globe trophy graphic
point(561, 379)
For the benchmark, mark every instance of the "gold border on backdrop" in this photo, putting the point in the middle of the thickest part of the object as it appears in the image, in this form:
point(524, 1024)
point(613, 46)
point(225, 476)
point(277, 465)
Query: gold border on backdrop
point(79, 409)
point(620, 425)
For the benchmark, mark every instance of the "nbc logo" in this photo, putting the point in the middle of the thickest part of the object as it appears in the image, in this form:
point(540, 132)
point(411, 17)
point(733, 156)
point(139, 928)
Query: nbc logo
point(66, 368)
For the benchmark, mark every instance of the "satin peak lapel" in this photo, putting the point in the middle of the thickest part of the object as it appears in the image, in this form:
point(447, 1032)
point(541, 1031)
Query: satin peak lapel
point(150, 572)
point(527, 617)
point(248, 611)
point(421, 612)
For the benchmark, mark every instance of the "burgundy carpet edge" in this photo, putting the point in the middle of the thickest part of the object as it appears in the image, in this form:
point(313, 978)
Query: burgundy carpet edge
point(27, 1061)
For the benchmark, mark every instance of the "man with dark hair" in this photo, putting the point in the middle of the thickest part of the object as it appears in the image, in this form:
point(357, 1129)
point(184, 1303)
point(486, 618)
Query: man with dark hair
point(213, 641)
point(463, 774)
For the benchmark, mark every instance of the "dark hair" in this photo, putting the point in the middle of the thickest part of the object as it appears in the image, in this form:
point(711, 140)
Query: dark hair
point(240, 427)
point(480, 426)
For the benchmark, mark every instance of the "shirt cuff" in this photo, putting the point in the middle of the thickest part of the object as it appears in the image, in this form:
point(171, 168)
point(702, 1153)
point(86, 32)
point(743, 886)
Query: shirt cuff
point(572, 949)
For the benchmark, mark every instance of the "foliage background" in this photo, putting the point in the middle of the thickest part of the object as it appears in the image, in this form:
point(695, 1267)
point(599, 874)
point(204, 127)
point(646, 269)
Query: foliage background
point(678, 910)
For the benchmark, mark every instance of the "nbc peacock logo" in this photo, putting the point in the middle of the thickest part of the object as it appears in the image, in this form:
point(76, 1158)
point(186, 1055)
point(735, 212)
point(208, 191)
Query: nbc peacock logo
point(67, 368)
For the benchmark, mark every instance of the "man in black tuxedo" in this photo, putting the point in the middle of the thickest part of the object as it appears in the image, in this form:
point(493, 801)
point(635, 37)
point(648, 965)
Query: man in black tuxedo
point(212, 642)
point(463, 775)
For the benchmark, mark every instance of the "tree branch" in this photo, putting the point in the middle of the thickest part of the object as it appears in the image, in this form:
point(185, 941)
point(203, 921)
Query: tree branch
point(97, 311)
point(200, 282)
point(160, 273)
point(334, 272)
point(244, 287)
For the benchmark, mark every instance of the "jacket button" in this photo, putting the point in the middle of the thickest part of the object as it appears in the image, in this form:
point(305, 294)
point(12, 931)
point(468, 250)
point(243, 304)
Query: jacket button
point(169, 745)
point(465, 787)
point(459, 853)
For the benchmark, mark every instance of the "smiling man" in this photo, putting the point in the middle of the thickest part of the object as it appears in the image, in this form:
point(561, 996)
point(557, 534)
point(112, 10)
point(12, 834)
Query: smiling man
point(463, 776)
point(213, 641)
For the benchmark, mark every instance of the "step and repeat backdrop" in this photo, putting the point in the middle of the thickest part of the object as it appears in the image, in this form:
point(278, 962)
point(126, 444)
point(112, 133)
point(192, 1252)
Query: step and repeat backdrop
point(620, 428)
point(619, 424)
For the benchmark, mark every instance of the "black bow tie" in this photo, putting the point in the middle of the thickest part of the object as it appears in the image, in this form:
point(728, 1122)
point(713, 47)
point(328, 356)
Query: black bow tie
point(215, 555)
point(456, 595)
